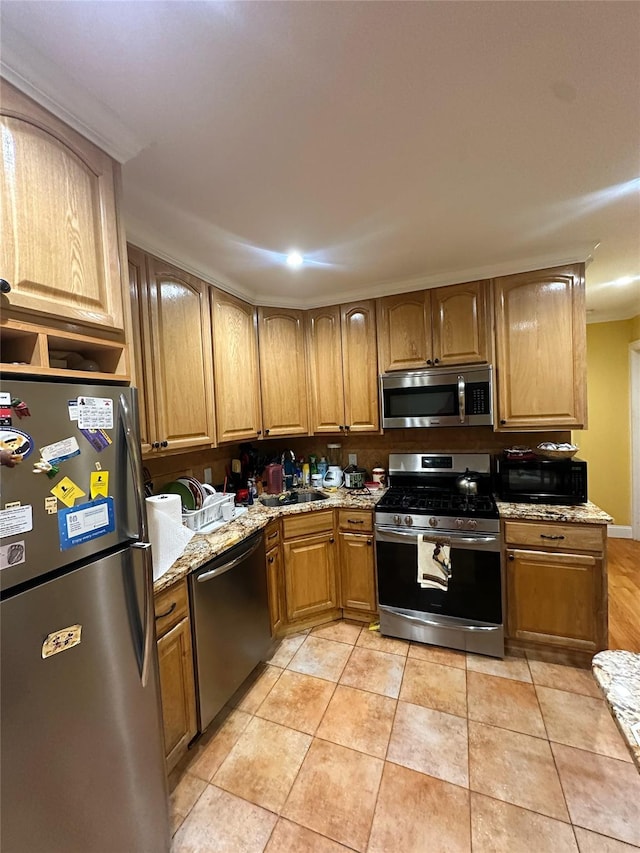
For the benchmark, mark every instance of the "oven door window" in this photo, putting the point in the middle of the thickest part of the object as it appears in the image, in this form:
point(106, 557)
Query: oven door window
point(474, 590)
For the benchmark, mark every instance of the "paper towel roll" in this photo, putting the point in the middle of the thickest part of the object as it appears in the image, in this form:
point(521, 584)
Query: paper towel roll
point(167, 533)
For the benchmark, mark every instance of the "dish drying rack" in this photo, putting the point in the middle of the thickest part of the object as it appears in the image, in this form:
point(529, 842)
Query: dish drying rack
point(212, 511)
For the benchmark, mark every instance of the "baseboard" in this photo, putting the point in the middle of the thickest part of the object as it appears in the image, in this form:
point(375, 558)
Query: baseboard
point(620, 531)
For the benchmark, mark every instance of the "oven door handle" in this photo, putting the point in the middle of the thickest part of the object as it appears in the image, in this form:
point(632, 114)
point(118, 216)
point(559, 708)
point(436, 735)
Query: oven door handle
point(435, 624)
point(490, 542)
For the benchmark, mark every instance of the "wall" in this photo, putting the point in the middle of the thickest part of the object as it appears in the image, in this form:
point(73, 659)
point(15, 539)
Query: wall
point(606, 443)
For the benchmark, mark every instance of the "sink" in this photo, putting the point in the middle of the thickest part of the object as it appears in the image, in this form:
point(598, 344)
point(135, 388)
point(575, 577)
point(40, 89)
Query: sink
point(300, 496)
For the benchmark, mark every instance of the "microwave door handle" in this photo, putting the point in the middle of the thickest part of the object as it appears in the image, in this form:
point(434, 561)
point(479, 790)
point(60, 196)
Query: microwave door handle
point(461, 398)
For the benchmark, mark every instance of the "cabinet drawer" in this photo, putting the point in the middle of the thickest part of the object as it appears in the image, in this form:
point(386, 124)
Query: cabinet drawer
point(307, 524)
point(170, 607)
point(562, 536)
point(357, 521)
point(272, 535)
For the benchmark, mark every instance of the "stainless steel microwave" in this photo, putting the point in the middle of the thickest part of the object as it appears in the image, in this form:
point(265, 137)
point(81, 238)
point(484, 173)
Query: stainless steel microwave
point(438, 397)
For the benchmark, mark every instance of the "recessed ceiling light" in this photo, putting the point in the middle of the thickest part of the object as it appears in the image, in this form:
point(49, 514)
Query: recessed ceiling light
point(295, 259)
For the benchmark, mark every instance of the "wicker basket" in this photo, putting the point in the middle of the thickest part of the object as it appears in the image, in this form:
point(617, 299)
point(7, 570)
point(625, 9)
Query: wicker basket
point(556, 454)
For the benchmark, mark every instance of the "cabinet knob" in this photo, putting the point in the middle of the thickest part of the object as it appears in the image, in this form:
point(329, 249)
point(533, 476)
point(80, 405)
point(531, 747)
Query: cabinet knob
point(347, 427)
point(511, 557)
point(155, 445)
point(332, 540)
point(5, 287)
point(368, 541)
point(502, 421)
point(429, 361)
point(164, 444)
point(271, 559)
point(436, 361)
point(259, 432)
point(167, 612)
point(267, 431)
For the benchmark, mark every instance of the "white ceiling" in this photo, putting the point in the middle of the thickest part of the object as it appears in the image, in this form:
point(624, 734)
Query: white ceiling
point(395, 144)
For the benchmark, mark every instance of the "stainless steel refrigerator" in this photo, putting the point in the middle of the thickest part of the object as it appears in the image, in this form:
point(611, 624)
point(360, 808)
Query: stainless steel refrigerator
point(82, 758)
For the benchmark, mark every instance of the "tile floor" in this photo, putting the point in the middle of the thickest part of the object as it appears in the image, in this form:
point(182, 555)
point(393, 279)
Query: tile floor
point(348, 740)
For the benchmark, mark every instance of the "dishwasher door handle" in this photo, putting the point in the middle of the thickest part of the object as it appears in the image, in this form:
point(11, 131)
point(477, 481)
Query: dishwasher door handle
point(226, 567)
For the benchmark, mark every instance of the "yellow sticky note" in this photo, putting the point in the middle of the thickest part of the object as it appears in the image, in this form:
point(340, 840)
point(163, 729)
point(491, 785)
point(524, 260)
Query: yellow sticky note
point(99, 484)
point(67, 491)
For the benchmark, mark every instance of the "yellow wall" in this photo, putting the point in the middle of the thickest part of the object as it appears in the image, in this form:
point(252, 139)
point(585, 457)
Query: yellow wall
point(606, 444)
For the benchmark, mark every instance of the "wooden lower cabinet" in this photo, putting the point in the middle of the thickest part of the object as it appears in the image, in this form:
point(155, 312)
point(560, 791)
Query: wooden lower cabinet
point(556, 595)
point(357, 565)
point(177, 683)
point(274, 577)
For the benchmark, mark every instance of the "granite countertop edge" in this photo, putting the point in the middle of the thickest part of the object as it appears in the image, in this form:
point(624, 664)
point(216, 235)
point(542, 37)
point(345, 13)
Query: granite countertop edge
point(617, 673)
point(205, 547)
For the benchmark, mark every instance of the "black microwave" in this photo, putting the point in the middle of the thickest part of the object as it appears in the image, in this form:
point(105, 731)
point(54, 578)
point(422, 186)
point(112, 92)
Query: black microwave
point(544, 481)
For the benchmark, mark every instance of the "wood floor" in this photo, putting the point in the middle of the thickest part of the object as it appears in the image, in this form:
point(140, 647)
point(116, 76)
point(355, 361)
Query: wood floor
point(624, 594)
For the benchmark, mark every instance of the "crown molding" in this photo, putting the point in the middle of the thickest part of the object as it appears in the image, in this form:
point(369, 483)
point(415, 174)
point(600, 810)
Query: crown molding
point(55, 90)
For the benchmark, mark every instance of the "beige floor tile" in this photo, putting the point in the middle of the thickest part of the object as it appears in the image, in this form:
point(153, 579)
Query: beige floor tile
point(419, 814)
point(223, 823)
point(184, 797)
point(592, 842)
point(321, 658)
point(498, 827)
point(564, 678)
point(358, 719)
point(581, 721)
point(374, 640)
point(377, 672)
point(342, 632)
point(510, 667)
point(335, 793)
point(436, 654)
point(603, 794)
point(264, 763)
point(297, 701)
point(252, 693)
point(516, 768)
point(435, 686)
point(504, 702)
point(430, 742)
point(211, 756)
point(287, 649)
point(290, 838)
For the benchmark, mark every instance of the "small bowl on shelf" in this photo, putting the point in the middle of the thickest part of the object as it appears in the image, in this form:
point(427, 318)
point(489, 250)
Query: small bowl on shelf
point(549, 450)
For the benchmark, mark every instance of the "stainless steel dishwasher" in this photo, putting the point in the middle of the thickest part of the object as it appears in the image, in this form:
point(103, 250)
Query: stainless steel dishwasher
point(230, 623)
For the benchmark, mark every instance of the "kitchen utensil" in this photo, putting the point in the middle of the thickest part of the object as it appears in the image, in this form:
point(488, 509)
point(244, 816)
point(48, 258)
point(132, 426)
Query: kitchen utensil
point(467, 483)
point(185, 493)
point(334, 455)
point(354, 477)
point(274, 474)
point(333, 477)
point(379, 475)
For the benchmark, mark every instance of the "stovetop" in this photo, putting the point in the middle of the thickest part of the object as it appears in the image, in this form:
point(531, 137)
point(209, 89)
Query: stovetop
point(420, 500)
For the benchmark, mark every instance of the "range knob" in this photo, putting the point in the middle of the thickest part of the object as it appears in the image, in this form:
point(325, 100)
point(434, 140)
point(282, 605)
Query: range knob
point(433, 521)
point(472, 524)
point(408, 520)
point(397, 519)
point(459, 522)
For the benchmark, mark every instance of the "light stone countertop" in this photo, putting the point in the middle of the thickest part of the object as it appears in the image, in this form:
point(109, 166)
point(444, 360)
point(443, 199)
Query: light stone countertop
point(204, 547)
point(618, 675)
point(587, 513)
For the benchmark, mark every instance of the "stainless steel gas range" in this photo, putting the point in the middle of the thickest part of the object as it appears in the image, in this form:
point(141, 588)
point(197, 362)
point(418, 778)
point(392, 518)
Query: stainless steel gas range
point(438, 553)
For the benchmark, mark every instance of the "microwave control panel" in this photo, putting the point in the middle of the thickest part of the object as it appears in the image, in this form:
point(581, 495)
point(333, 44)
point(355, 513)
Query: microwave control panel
point(477, 398)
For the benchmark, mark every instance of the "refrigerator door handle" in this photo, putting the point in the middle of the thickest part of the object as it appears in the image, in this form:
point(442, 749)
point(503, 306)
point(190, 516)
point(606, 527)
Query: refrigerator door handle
point(135, 460)
point(144, 549)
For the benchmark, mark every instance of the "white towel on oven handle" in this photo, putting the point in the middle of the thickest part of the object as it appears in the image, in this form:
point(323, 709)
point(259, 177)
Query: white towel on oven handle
point(434, 564)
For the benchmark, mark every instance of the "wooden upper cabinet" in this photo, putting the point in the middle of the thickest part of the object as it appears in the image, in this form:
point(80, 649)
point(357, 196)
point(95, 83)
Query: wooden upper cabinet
point(283, 374)
point(325, 367)
point(180, 368)
point(235, 365)
point(358, 325)
point(541, 349)
point(460, 323)
point(445, 325)
point(59, 248)
point(139, 296)
point(404, 331)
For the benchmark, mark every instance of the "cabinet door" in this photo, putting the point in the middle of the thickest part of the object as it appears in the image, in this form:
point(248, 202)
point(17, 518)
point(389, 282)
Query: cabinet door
point(59, 248)
point(235, 365)
point(360, 371)
point(177, 689)
point(459, 323)
point(325, 367)
point(310, 576)
point(541, 344)
point(274, 585)
point(182, 364)
point(404, 331)
point(139, 295)
point(554, 598)
point(283, 374)
point(358, 589)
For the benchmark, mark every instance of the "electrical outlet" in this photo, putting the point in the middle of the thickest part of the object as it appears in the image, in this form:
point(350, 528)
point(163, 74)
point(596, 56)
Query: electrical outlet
point(207, 475)
point(353, 459)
